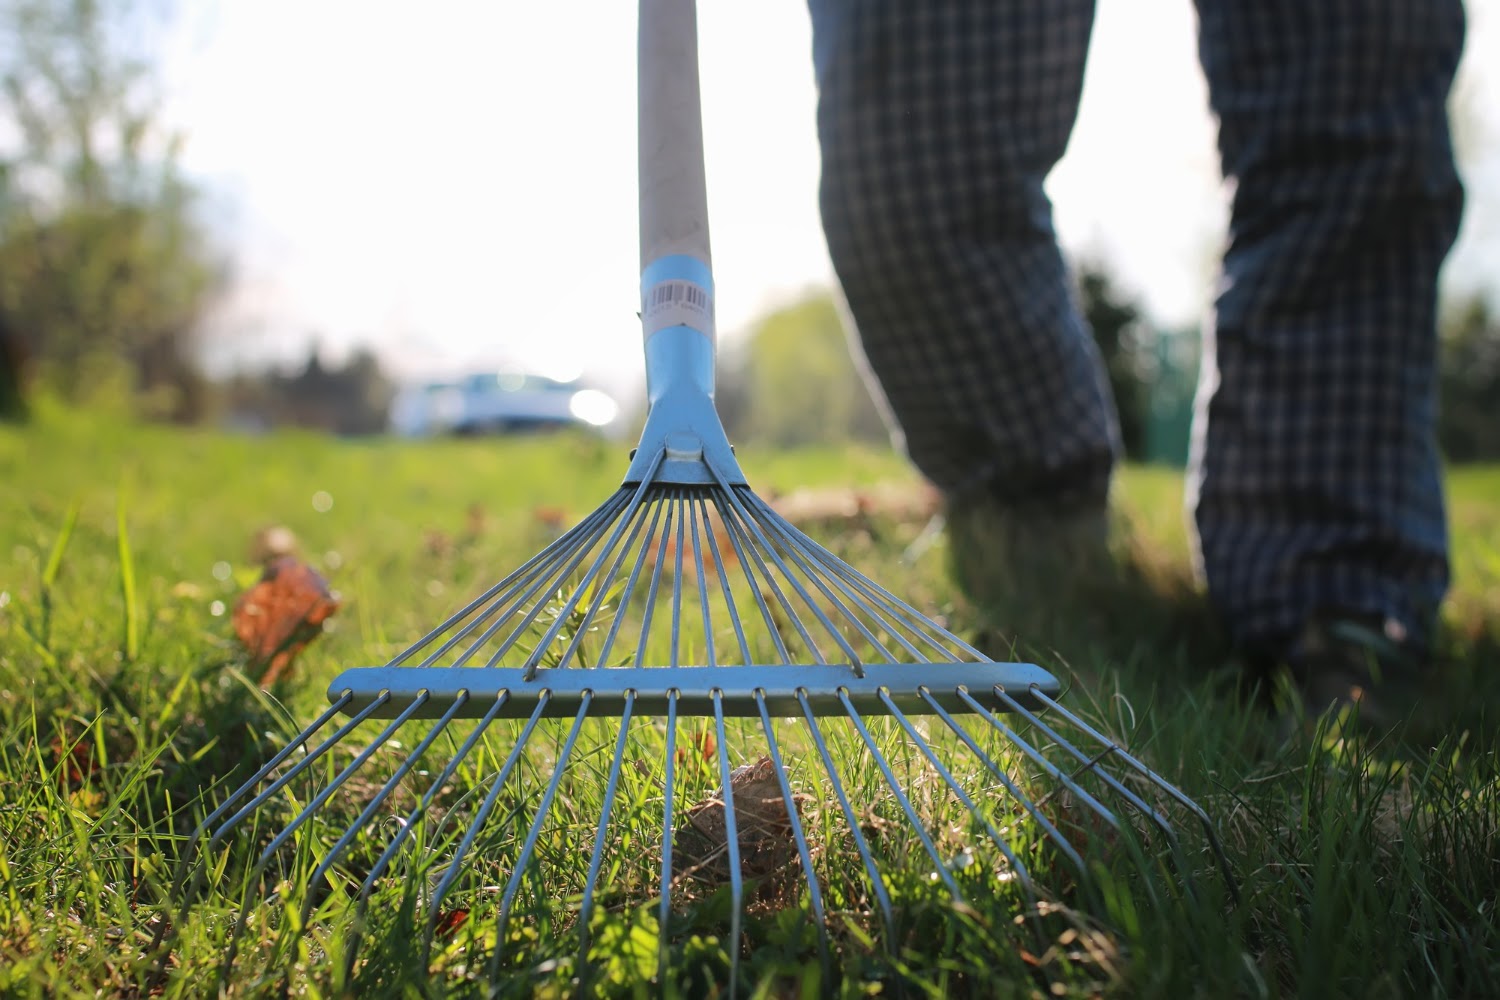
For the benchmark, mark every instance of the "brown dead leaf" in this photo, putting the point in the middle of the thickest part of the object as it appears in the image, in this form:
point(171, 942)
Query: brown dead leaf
point(768, 850)
point(838, 506)
point(436, 543)
point(283, 612)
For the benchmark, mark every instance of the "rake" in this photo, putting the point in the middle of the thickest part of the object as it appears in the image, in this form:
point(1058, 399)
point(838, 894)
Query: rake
point(686, 604)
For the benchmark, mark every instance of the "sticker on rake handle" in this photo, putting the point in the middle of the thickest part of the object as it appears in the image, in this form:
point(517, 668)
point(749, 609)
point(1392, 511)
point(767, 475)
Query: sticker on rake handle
point(676, 302)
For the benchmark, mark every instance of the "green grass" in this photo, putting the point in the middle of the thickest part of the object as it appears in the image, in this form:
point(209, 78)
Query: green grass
point(126, 715)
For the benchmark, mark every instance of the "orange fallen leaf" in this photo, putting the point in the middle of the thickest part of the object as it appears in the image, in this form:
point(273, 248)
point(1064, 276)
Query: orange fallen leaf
point(283, 612)
point(449, 923)
point(75, 760)
point(554, 520)
point(702, 746)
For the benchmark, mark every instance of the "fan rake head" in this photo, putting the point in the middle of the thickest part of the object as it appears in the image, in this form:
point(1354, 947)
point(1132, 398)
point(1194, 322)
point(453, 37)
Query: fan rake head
point(567, 744)
point(775, 725)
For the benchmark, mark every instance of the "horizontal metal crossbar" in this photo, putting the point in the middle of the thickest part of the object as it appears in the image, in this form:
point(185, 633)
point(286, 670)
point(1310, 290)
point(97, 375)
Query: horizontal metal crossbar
point(739, 690)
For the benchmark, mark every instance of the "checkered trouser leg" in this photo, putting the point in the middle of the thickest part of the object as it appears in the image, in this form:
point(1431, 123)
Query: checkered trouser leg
point(939, 120)
point(1316, 477)
point(1316, 471)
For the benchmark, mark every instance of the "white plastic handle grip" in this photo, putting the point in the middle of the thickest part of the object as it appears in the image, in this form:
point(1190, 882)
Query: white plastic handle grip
point(674, 202)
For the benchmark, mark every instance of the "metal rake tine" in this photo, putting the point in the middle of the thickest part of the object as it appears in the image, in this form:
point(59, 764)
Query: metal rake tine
point(877, 884)
point(732, 837)
point(812, 605)
point(666, 842)
point(552, 582)
point(1040, 818)
point(359, 761)
point(772, 629)
point(601, 590)
point(1091, 765)
point(875, 592)
point(186, 868)
point(708, 625)
point(260, 775)
point(932, 758)
point(810, 558)
point(483, 814)
point(738, 524)
point(895, 627)
point(621, 523)
point(544, 807)
point(504, 607)
point(809, 566)
point(307, 812)
point(1037, 757)
point(654, 588)
point(630, 583)
point(540, 564)
point(376, 801)
point(799, 836)
point(296, 769)
point(1172, 790)
point(408, 827)
point(876, 599)
point(676, 500)
point(911, 812)
point(724, 588)
point(596, 859)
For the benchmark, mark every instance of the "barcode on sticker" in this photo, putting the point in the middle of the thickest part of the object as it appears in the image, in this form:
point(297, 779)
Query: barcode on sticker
point(677, 303)
point(676, 293)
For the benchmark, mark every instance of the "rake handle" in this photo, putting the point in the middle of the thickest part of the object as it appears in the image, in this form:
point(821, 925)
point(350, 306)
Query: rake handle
point(683, 440)
point(676, 282)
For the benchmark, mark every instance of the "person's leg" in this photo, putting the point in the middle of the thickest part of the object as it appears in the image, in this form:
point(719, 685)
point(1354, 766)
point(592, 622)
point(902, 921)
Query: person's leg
point(938, 122)
point(1316, 476)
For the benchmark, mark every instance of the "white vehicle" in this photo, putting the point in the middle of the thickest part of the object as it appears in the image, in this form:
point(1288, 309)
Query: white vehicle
point(499, 402)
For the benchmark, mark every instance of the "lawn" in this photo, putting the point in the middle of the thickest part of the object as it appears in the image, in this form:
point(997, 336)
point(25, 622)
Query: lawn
point(129, 711)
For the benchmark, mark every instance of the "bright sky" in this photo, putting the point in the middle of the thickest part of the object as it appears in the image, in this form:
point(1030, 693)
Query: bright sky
point(453, 182)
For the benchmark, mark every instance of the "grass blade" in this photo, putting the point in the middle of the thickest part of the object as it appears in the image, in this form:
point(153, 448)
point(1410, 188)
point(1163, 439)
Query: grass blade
point(132, 639)
point(43, 638)
point(60, 546)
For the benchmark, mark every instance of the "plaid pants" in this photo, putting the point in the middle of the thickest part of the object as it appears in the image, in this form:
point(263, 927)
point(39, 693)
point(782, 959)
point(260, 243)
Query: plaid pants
point(1315, 481)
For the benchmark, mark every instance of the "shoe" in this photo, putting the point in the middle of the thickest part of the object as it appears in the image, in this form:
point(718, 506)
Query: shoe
point(1362, 670)
point(1032, 572)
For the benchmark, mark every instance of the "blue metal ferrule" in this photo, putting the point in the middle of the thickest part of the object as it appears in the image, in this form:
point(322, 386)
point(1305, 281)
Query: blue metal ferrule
point(677, 317)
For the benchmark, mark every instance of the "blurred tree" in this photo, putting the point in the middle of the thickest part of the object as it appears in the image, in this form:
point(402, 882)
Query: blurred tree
point(353, 398)
point(1122, 336)
point(800, 383)
point(12, 374)
point(794, 380)
point(104, 268)
point(1469, 384)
